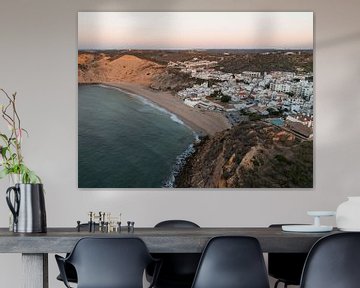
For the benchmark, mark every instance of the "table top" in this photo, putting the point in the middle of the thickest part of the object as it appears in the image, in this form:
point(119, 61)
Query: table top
point(158, 240)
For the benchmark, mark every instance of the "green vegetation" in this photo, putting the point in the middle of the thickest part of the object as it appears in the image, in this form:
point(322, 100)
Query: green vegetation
point(274, 61)
point(237, 62)
point(255, 117)
point(273, 163)
point(12, 160)
point(282, 159)
point(225, 98)
point(274, 112)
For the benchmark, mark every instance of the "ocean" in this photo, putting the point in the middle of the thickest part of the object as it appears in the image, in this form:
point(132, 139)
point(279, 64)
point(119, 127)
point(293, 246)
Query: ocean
point(126, 141)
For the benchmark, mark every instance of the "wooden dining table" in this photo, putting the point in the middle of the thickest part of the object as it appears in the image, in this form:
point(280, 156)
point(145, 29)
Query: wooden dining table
point(35, 247)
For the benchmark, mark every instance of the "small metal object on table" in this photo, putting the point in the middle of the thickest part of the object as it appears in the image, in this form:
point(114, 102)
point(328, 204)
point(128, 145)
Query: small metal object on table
point(78, 227)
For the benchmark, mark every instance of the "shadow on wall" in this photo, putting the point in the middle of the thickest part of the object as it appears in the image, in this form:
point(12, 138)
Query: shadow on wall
point(338, 40)
point(337, 72)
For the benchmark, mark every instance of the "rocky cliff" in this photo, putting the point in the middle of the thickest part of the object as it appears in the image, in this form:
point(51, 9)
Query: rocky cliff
point(250, 155)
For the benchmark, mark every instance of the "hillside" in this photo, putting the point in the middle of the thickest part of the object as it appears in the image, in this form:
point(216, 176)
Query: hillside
point(149, 67)
point(109, 68)
point(265, 62)
point(98, 67)
point(233, 61)
point(250, 155)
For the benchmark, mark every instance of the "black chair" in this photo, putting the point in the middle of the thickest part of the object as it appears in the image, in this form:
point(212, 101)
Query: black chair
point(333, 262)
point(176, 224)
point(69, 269)
point(232, 262)
point(178, 269)
point(286, 267)
point(108, 263)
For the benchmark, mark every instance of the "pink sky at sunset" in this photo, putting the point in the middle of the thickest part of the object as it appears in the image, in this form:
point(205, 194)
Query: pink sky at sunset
point(195, 30)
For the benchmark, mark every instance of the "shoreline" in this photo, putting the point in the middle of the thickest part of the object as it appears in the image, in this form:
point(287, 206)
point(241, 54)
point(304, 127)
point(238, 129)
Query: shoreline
point(202, 122)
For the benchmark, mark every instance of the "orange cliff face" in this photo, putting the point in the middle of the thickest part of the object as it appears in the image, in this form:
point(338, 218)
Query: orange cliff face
point(100, 68)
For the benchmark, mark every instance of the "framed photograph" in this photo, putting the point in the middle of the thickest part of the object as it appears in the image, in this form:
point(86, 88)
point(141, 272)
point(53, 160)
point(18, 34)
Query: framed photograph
point(195, 99)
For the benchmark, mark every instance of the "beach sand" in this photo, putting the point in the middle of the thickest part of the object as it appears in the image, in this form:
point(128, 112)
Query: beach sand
point(202, 122)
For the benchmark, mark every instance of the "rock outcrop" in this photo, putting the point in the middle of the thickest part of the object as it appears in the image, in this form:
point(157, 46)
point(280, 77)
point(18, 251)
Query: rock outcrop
point(250, 155)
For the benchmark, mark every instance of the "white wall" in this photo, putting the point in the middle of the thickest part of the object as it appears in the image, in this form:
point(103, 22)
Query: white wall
point(38, 59)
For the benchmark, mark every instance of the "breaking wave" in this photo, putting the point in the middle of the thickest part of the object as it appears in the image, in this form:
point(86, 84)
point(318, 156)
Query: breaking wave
point(180, 163)
point(145, 101)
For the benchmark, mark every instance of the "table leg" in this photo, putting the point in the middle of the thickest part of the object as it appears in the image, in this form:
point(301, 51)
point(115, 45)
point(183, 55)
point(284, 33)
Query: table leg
point(35, 270)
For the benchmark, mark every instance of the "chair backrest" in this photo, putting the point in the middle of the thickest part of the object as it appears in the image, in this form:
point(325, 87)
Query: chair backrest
point(232, 262)
point(176, 224)
point(177, 268)
point(110, 262)
point(333, 262)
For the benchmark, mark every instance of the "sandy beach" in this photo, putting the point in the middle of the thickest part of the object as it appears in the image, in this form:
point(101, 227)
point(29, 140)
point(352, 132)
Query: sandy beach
point(203, 122)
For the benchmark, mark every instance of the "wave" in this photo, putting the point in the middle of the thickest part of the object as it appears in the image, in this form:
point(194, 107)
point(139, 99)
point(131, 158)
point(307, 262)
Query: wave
point(180, 163)
point(153, 105)
point(145, 101)
point(180, 159)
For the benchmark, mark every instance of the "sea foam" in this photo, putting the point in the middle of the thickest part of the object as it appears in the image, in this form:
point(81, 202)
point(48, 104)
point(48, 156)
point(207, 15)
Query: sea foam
point(147, 102)
point(180, 163)
point(180, 159)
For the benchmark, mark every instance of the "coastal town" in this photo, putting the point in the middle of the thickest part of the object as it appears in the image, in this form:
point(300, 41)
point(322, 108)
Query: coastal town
point(282, 98)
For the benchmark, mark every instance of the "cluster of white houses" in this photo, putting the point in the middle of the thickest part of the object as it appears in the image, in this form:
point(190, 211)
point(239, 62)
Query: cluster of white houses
point(288, 93)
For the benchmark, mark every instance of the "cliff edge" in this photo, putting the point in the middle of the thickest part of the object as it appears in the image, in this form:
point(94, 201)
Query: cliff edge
point(250, 155)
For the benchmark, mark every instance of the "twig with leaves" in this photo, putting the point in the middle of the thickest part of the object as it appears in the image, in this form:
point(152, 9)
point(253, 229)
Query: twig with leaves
point(12, 160)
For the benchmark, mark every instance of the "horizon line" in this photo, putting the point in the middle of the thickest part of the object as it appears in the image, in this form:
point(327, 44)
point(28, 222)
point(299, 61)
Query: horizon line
point(187, 49)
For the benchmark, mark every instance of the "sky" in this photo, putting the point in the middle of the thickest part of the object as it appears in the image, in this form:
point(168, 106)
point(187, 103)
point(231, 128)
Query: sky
point(195, 30)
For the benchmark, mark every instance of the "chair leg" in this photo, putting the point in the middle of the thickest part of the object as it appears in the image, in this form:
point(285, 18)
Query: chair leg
point(278, 282)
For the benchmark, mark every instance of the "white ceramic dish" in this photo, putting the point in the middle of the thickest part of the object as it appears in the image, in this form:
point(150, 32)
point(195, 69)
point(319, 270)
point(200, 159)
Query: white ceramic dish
point(306, 228)
point(350, 229)
point(321, 213)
